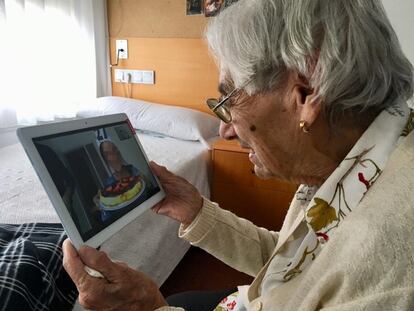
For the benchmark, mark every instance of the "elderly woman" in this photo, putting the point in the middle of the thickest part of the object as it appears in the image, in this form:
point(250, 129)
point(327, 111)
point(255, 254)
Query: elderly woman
point(317, 90)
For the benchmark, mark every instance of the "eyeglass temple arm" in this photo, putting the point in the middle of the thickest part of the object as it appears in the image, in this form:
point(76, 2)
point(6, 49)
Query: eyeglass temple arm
point(221, 103)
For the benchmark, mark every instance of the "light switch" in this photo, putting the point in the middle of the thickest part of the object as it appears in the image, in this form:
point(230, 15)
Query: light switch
point(148, 77)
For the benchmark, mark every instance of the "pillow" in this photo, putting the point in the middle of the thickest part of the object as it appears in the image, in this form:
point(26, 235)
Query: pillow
point(178, 122)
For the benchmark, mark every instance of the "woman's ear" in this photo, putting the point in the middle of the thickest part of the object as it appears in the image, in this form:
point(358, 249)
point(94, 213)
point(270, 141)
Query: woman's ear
point(311, 109)
point(308, 106)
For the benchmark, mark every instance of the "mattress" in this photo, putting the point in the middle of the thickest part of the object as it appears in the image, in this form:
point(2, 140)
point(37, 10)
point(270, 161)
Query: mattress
point(150, 243)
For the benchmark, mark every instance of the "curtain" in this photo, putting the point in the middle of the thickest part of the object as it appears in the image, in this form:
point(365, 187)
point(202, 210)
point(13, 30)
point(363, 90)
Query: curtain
point(54, 57)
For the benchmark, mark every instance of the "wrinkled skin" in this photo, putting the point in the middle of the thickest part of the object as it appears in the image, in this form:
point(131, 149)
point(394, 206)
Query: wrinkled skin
point(122, 289)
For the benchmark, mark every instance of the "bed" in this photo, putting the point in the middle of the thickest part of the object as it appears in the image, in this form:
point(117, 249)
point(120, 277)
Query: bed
point(171, 136)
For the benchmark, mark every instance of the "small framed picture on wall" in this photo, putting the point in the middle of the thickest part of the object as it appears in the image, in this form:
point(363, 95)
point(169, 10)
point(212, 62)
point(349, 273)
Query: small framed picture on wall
point(194, 7)
point(212, 7)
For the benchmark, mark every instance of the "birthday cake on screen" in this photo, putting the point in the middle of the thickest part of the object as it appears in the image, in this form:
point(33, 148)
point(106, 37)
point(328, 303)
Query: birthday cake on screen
point(121, 192)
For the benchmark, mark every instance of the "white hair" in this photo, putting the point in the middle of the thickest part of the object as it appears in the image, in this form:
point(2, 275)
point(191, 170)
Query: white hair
point(346, 50)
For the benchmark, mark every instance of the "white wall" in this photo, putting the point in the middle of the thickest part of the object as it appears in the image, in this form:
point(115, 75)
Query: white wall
point(401, 14)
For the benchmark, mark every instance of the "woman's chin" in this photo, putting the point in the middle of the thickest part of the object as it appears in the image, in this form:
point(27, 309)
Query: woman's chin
point(262, 172)
point(259, 170)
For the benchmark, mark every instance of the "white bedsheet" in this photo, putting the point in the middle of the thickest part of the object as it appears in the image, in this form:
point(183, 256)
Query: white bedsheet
point(149, 243)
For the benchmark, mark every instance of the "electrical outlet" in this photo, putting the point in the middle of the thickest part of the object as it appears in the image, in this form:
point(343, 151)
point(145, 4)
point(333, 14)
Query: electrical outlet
point(122, 45)
point(134, 76)
point(119, 75)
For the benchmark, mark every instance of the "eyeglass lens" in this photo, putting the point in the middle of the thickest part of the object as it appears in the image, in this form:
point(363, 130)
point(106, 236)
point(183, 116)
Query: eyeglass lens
point(222, 112)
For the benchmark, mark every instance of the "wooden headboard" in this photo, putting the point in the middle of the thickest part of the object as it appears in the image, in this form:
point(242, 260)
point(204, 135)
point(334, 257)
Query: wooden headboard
point(185, 73)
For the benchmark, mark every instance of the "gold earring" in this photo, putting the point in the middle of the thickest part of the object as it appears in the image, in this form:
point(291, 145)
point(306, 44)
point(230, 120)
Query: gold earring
point(303, 126)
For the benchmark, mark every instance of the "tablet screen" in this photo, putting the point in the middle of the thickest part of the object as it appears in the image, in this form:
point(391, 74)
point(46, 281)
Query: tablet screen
point(100, 173)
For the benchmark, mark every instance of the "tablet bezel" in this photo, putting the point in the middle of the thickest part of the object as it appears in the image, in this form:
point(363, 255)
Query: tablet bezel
point(26, 136)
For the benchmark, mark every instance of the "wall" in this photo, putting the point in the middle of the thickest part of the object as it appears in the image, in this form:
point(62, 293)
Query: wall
point(163, 38)
point(401, 14)
point(153, 19)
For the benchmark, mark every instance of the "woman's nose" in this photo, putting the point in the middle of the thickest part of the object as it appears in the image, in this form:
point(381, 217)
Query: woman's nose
point(227, 131)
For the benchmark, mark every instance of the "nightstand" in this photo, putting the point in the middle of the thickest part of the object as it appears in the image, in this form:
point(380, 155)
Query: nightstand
point(235, 187)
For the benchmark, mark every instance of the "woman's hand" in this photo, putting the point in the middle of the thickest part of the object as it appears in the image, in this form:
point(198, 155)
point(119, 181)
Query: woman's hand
point(122, 289)
point(183, 202)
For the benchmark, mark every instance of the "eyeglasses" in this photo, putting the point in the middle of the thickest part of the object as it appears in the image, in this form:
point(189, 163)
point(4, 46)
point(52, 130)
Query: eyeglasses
point(219, 107)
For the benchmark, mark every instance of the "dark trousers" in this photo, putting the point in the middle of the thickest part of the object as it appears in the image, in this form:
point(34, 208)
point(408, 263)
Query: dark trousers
point(31, 272)
point(199, 300)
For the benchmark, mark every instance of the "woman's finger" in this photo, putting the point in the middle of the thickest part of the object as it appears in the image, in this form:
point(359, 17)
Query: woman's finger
point(73, 263)
point(161, 171)
point(121, 263)
point(99, 261)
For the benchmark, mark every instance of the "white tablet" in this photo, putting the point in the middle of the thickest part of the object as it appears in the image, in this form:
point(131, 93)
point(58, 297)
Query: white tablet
point(95, 173)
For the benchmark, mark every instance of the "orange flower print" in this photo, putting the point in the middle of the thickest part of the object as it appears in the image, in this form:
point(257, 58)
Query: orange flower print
point(322, 214)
